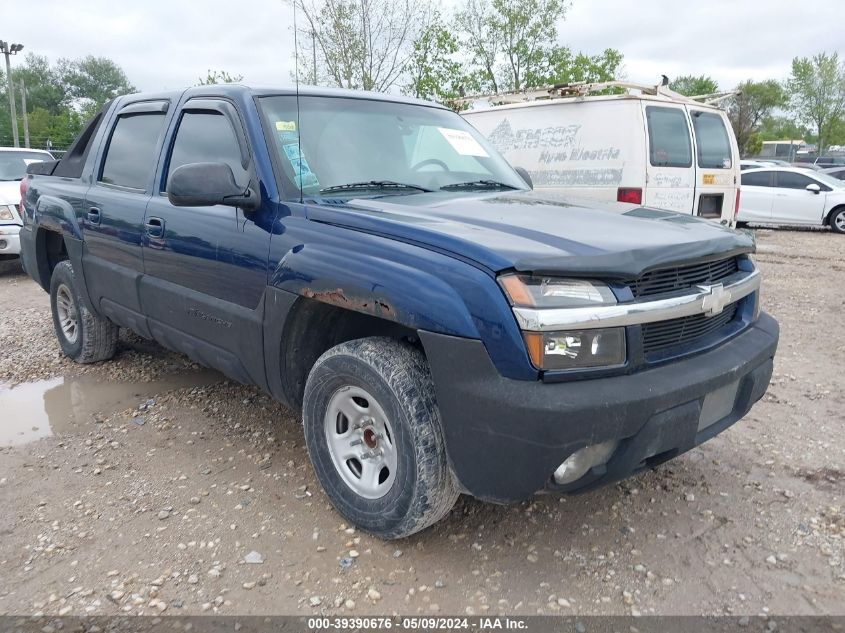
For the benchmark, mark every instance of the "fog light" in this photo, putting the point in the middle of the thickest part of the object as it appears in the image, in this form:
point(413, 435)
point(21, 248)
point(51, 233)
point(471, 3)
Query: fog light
point(577, 464)
point(3, 244)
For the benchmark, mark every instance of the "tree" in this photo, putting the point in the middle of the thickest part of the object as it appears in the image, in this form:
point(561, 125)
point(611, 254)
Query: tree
point(434, 72)
point(817, 93)
point(748, 109)
point(219, 77)
point(361, 44)
point(520, 33)
point(562, 66)
point(91, 81)
point(693, 86)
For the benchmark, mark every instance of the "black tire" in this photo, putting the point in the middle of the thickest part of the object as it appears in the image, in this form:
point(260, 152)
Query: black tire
point(95, 338)
point(397, 375)
point(837, 220)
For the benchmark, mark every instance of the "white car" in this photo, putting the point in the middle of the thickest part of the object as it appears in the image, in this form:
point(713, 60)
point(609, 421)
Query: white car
point(13, 164)
point(792, 196)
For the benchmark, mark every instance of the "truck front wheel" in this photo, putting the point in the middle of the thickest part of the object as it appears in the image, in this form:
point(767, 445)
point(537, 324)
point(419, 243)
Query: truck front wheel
point(83, 336)
point(373, 433)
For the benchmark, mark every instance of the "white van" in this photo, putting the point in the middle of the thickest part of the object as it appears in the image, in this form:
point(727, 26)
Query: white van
point(649, 145)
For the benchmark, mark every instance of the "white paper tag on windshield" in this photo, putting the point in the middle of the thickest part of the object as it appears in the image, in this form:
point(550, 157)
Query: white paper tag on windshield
point(463, 142)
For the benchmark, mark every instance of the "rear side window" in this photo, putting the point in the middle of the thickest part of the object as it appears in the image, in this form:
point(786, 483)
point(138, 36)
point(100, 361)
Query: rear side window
point(668, 137)
point(130, 158)
point(757, 179)
point(711, 138)
point(206, 137)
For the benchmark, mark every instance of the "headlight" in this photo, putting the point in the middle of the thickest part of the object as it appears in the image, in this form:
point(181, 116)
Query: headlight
point(6, 213)
point(576, 349)
point(526, 291)
point(569, 349)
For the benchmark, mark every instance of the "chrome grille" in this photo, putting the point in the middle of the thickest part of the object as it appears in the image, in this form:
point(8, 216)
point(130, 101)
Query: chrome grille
point(671, 279)
point(665, 334)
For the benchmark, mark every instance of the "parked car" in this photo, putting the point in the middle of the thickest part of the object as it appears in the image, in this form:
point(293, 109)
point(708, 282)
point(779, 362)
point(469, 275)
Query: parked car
point(830, 161)
point(792, 196)
point(13, 163)
point(373, 262)
point(836, 172)
point(661, 149)
point(752, 164)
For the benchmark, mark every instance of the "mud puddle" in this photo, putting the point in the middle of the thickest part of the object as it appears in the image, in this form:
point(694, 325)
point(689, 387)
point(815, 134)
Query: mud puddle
point(34, 410)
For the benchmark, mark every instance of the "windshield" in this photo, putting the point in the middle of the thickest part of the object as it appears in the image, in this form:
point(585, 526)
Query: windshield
point(827, 179)
point(13, 164)
point(342, 147)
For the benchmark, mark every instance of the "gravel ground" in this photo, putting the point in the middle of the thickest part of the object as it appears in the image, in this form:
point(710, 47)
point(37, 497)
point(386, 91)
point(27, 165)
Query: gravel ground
point(157, 486)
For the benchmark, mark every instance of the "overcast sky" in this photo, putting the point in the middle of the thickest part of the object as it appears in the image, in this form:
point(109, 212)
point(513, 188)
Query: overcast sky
point(170, 44)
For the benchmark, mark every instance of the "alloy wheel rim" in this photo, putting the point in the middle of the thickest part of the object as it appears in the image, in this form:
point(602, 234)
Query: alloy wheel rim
point(840, 222)
point(67, 313)
point(361, 442)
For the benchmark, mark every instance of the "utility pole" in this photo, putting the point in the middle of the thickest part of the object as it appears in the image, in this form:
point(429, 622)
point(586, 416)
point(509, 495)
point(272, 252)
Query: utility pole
point(25, 116)
point(8, 50)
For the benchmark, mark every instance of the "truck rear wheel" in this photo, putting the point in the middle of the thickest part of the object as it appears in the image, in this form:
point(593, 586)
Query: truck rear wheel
point(83, 336)
point(373, 433)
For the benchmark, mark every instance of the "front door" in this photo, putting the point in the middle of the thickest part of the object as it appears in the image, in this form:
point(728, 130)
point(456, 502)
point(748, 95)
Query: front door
point(206, 267)
point(113, 212)
point(793, 203)
point(670, 170)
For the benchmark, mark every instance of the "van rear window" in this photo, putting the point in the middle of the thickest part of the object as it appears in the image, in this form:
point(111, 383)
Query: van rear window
point(711, 137)
point(668, 137)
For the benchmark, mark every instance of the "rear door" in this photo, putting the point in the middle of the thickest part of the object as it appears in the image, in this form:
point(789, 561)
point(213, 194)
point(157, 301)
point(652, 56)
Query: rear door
point(670, 170)
point(113, 212)
point(716, 156)
point(793, 204)
point(758, 195)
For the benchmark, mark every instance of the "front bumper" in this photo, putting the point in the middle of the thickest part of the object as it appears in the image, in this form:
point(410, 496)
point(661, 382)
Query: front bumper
point(506, 437)
point(10, 243)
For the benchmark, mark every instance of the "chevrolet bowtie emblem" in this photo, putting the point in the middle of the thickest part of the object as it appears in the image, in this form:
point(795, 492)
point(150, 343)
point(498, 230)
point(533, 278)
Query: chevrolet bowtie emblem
point(715, 299)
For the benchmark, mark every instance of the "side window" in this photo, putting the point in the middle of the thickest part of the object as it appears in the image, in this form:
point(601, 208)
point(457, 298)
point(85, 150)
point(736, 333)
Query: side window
point(791, 180)
point(206, 137)
point(712, 141)
point(668, 137)
point(757, 179)
point(130, 158)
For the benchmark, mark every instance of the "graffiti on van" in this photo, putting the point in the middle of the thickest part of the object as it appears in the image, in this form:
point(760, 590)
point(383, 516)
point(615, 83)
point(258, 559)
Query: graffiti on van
point(576, 177)
point(504, 138)
point(668, 180)
point(558, 143)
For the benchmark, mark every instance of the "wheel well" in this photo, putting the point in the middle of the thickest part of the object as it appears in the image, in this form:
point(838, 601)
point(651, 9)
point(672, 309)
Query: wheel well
point(314, 327)
point(50, 249)
point(832, 213)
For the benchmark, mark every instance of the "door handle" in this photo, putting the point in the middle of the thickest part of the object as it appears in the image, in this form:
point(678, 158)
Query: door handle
point(94, 215)
point(155, 227)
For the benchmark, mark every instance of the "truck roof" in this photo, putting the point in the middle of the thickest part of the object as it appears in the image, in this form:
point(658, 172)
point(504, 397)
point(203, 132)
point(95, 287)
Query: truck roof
point(309, 91)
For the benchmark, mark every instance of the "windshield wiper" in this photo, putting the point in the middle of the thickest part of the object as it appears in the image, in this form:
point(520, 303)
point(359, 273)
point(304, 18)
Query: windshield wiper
point(373, 185)
point(477, 184)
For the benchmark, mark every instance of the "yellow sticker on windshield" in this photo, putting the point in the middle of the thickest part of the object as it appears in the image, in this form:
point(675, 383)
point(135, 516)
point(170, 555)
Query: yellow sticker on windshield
point(286, 126)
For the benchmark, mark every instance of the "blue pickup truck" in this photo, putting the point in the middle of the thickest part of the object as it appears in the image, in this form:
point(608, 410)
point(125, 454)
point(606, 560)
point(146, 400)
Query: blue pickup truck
point(374, 263)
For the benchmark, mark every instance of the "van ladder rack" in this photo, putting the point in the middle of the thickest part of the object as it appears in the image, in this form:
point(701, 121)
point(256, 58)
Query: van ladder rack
point(580, 89)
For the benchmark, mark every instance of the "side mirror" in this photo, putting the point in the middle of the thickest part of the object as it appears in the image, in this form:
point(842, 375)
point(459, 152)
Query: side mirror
point(207, 184)
point(523, 173)
point(814, 188)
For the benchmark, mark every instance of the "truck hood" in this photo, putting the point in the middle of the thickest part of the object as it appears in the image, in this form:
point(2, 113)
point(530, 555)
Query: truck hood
point(529, 232)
